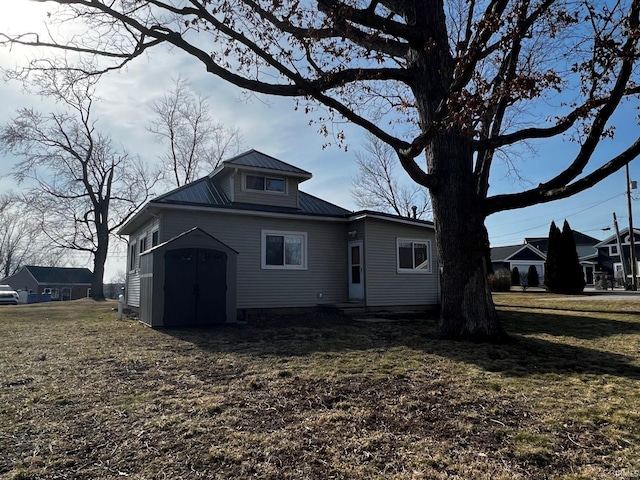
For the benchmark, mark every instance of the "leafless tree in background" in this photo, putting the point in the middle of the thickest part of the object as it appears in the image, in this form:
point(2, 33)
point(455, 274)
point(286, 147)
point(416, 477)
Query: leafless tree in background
point(79, 186)
point(376, 185)
point(196, 143)
point(21, 239)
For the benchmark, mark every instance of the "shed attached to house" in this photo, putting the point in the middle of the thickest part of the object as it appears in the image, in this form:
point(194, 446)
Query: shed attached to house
point(189, 280)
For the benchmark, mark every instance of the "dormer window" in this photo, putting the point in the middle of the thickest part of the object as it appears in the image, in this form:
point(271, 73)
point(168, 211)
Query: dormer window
point(264, 184)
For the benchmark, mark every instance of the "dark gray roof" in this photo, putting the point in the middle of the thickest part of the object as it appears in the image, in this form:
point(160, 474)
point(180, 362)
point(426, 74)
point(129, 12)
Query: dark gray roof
point(391, 216)
point(498, 254)
point(199, 192)
point(522, 252)
point(317, 206)
point(256, 159)
point(541, 243)
point(61, 275)
point(585, 250)
point(204, 192)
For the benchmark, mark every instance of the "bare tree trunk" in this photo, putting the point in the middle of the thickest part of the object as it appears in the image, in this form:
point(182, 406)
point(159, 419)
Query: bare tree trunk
point(467, 310)
point(99, 259)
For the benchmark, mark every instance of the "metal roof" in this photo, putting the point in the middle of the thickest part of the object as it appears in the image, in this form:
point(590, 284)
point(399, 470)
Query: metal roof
point(316, 206)
point(201, 192)
point(256, 159)
point(204, 192)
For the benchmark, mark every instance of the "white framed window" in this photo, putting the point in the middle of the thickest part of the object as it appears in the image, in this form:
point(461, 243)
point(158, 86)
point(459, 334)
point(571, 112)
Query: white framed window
point(261, 183)
point(284, 250)
point(413, 255)
point(155, 238)
point(613, 250)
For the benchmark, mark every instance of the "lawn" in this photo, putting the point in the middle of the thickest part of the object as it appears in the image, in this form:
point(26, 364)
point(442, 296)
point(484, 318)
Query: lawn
point(83, 396)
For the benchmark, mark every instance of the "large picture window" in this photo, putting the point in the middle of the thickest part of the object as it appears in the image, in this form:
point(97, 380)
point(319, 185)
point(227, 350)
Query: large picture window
point(264, 184)
point(414, 256)
point(284, 250)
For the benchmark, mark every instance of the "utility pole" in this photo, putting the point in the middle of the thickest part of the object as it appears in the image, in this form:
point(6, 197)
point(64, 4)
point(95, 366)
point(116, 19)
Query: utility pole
point(632, 245)
point(620, 252)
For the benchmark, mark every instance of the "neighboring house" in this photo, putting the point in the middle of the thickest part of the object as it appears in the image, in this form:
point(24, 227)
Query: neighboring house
point(246, 238)
point(520, 256)
point(607, 257)
point(56, 283)
point(585, 244)
point(585, 248)
point(597, 257)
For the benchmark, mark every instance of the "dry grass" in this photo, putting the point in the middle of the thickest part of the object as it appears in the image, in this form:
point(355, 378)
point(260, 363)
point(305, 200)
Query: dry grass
point(83, 396)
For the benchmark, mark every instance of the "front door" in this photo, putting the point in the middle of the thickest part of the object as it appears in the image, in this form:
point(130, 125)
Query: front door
point(356, 271)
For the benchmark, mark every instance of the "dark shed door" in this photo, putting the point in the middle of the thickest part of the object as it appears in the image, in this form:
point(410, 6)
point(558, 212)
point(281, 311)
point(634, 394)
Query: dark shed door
point(195, 288)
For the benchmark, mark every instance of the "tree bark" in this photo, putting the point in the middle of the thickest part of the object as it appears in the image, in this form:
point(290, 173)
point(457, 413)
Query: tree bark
point(467, 310)
point(99, 260)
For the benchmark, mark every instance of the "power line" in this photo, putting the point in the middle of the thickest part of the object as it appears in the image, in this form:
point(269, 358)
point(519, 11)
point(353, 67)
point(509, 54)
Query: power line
point(589, 207)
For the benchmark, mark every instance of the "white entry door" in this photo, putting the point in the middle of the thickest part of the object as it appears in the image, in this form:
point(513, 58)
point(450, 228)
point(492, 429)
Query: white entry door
point(356, 271)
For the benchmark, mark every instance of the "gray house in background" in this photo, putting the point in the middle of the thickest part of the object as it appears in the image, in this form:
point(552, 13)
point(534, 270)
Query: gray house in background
point(56, 283)
point(534, 252)
point(610, 255)
point(246, 230)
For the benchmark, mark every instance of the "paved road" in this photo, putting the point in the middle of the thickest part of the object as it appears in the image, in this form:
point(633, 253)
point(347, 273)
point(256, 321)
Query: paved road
point(618, 294)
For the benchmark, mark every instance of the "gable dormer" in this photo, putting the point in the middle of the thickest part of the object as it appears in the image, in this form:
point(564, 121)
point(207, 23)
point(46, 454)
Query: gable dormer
point(256, 178)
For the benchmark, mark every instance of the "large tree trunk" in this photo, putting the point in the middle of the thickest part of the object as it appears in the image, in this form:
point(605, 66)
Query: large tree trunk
point(99, 259)
point(467, 306)
point(467, 310)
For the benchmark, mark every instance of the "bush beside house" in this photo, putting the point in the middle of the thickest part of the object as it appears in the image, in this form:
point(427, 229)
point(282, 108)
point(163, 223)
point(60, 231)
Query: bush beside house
point(500, 281)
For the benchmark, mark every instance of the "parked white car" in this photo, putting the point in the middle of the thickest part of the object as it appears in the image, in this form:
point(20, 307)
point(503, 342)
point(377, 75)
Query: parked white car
point(8, 295)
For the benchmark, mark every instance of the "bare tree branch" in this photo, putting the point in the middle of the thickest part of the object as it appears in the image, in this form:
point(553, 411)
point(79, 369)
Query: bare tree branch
point(85, 189)
point(196, 144)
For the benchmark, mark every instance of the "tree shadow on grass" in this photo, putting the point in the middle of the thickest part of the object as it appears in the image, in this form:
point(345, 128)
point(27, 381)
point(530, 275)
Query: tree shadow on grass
point(527, 355)
point(582, 325)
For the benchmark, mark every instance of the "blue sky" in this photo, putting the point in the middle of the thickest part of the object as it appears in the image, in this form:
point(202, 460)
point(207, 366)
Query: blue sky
point(272, 126)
